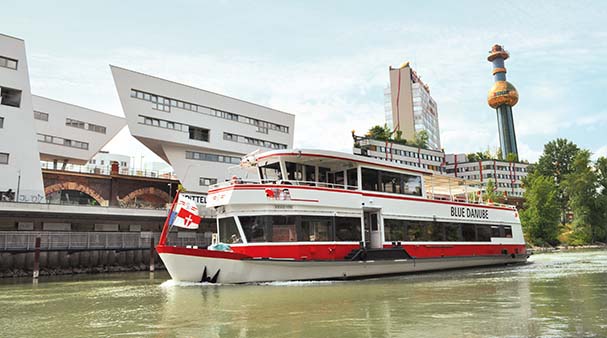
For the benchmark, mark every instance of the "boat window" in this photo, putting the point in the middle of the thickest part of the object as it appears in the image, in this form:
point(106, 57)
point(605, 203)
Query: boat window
point(452, 232)
point(412, 185)
point(468, 232)
point(395, 229)
point(435, 231)
point(283, 229)
point(228, 231)
point(507, 231)
point(347, 229)
point(390, 182)
point(310, 173)
point(294, 171)
point(352, 179)
point(483, 233)
point(254, 228)
point(370, 179)
point(417, 231)
point(339, 179)
point(315, 229)
point(270, 172)
point(495, 231)
point(323, 174)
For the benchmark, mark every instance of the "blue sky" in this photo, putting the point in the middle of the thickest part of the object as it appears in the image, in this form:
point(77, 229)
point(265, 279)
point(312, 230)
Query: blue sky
point(327, 61)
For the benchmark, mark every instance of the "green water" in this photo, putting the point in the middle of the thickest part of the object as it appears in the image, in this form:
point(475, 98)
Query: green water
point(562, 294)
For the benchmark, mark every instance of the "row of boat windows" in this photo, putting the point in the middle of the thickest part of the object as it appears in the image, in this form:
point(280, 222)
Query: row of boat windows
point(290, 229)
point(411, 231)
point(259, 229)
point(372, 180)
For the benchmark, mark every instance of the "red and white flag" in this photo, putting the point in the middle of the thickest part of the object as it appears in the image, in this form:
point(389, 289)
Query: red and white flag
point(186, 213)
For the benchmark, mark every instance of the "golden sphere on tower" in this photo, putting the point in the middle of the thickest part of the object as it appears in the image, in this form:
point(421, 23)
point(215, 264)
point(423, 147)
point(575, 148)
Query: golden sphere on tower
point(502, 92)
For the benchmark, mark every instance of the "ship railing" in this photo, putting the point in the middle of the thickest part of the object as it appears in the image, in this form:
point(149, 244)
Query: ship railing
point(235, 181)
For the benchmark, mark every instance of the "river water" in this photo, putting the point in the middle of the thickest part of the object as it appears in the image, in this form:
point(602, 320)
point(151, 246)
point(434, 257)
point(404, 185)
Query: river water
point(556, 295)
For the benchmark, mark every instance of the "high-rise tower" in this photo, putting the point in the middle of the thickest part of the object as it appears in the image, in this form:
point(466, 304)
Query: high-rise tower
point(503, 96)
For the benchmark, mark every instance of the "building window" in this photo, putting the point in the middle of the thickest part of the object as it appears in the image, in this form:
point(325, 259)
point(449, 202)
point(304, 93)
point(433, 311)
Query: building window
point(1, 122)
point(62, 141)
point(164, 104)
point(74, 123)
point(96, 128)
point(38, 115)
point(199, 134)
point(8, 63)
point(205, 181)
point(193, 155)
point(10, 97)
point(3, 158)
point(253, 141)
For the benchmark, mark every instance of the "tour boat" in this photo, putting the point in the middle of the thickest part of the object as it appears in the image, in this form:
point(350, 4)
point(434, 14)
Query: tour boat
point(316, 215)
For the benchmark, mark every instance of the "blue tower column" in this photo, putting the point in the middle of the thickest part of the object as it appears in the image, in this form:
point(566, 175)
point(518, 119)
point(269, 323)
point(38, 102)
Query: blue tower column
point(502, 97)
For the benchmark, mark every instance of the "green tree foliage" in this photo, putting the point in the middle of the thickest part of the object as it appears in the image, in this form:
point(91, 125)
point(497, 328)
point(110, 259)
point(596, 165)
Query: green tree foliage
point(556, 162)
point(491, 193)
point(540, 217)
point(600, 215)
point(383, 133)
point(579, 185)
point(421, 139)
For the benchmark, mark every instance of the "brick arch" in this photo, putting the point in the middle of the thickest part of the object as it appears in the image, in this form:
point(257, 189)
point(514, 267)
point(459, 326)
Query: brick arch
point(78, 187)
point(130, 197)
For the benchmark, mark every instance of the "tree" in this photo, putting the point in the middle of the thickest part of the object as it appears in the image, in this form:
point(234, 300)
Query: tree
point(600, 214)
point(580, 187)
point(421, 139)
point(379, 133)
point(556, 162)
point(491, 193)
point(540, 217)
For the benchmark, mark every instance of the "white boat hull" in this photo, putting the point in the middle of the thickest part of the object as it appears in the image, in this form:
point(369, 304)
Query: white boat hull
point(192, 268)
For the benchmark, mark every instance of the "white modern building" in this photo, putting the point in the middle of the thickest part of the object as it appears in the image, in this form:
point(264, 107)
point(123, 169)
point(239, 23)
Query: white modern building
point(20, 174)
point(70, 134)
point(35, 129)
point(507, 177)
point(201, 134)
point(409, 106)
point(399, 153)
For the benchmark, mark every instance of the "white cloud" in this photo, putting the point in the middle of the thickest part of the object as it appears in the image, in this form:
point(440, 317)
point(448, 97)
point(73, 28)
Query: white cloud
point(600, 152)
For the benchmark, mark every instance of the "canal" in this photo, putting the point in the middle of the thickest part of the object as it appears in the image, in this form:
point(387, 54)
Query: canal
point(559, 294)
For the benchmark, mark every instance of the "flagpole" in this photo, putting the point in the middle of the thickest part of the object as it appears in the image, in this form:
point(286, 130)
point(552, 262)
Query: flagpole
point(165, 228)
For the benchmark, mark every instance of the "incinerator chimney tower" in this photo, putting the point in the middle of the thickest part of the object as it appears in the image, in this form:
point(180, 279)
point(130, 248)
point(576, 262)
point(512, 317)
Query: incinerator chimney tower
point(502, 97)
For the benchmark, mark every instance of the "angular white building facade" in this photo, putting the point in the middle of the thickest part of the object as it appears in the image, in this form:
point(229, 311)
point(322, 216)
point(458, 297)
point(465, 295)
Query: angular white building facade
point(20, 174)
point(34, 128)
point(201, 134)
point(70, 134)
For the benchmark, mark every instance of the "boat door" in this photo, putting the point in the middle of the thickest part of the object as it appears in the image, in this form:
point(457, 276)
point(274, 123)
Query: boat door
point(372, 231)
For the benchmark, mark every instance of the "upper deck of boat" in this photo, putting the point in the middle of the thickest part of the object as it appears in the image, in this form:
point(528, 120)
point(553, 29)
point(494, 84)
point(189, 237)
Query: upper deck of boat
point(342, 171)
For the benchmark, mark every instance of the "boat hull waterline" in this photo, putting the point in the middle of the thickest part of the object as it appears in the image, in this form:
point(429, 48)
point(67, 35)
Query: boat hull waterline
point(191, 265)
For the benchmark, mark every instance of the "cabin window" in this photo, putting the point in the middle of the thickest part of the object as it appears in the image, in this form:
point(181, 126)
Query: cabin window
point(495, 231)
point(483, 233)
point(435, 232)
point(316, 229)
point(310, 173)
point(452, 232)
point(507, 231)
point(352, 179)
point(294, 171)
point(416, 231)
point(228, 231)
point(340, 179)
point(370, 179)
point(323, 174)
point(395, 229)
point(347, 229)
point(283, 229)
point(270, 172)
point(390, 182)
point(468, 232)
point(412, 185)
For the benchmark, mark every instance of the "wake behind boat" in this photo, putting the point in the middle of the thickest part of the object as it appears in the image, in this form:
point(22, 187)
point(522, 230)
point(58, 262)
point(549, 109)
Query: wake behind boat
point(313, 214)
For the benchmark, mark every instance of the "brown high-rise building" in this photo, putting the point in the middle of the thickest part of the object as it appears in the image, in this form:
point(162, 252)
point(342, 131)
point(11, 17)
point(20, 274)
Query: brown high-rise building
point(411, 109)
